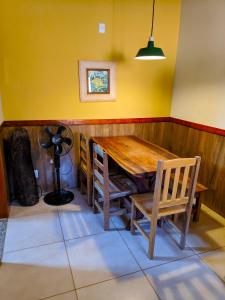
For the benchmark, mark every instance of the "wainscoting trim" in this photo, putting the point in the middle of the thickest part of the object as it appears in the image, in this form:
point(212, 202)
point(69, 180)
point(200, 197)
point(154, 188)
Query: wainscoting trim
point(198, 126)
point(84, 122)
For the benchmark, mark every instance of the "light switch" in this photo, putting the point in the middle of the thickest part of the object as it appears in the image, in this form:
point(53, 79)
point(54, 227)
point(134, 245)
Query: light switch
point(36, 173)
point(101, 27)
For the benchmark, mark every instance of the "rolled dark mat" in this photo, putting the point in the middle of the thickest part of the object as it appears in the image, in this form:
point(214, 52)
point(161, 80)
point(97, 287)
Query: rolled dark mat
point(25, 184)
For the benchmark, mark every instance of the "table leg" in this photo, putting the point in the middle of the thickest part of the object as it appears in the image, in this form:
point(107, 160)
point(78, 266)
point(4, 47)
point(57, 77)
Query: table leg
point(139, 216)
point(197, 208)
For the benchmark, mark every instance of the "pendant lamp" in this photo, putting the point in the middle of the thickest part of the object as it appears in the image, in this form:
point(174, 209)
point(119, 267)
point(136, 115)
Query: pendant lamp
point(151, 52)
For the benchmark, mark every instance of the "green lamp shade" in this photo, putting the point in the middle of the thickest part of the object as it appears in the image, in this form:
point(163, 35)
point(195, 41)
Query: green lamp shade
point(150, 52)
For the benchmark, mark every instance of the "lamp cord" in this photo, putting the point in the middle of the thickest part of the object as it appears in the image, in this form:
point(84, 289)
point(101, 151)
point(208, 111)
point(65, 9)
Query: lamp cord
point(153, 15)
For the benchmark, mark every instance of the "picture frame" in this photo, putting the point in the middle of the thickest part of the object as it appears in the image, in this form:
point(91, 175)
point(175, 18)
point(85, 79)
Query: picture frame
point(97, 81)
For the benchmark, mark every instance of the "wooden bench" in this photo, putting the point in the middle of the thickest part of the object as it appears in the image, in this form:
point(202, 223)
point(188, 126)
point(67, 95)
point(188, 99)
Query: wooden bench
point(197, 206)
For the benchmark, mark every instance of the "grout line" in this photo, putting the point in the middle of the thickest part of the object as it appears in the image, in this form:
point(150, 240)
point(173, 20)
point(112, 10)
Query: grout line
point(101, 233)
point(106, 280)
point(209, 250)
point(32, 247)
point(171, 261)
point(205, 263)
point(193, 247)
point(63, 293)
point(118, 230)
point(113, 278)
point(102, 281)
point(194, 254)
point(89, 235)
point(123, 239)
point(71, 272)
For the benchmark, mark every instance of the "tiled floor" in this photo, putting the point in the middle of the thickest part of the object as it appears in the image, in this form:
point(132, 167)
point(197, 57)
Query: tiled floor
point(62, 253)
point(3, 226)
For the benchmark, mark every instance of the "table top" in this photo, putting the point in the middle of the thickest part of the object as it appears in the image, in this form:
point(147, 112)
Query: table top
point(136, 156)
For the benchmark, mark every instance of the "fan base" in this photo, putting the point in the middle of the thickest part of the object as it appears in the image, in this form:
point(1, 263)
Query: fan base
point(59, 197)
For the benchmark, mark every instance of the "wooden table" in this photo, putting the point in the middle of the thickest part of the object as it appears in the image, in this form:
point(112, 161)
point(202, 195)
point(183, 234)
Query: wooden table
point(139, 158)
point(136, 156)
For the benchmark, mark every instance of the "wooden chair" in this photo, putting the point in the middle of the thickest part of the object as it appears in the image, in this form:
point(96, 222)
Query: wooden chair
point(108, 187)
point(163, 203)
point(85, 167)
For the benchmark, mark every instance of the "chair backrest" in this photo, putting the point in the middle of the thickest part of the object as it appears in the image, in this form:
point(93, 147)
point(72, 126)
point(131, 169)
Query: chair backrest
point(176, 181)
point(100, 170)
point(85, 159)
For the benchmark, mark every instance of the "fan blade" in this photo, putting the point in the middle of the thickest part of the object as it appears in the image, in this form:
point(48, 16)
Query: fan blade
point(60, 129)
point(47, 145)
point(58, 150)
point(67, 141)
point(48, 131)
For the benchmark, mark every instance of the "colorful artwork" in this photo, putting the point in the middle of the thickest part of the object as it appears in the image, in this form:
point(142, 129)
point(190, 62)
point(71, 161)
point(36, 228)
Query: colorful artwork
point(98, 81)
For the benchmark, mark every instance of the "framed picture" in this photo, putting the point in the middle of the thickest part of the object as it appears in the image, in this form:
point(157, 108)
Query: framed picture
point(97, 81)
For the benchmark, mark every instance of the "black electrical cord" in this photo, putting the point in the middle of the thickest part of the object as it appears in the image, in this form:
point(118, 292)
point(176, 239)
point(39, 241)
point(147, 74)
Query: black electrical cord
point(70, 168)
point(153, 16)
point(71, 163)
point(40, 193)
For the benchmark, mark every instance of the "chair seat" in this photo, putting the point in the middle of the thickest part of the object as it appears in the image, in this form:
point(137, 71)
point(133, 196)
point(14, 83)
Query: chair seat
point(144, 202)
point(120, 186)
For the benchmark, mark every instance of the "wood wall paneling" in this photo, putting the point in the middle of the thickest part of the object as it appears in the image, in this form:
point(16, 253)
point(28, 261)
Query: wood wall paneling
point(190, 124)
point(186, 141)
point(155, 132)
point(198, 126)
point(179, 139)
point(3, 182)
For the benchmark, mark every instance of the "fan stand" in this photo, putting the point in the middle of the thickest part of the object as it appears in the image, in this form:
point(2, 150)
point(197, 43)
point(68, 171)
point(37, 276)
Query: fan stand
point(59, 196)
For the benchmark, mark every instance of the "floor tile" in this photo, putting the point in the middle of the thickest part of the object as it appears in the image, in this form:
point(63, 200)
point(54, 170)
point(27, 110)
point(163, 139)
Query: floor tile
point(64, 296)
point(78, 220)
point(216, 261)
point(41, 207)
point(3, 226)
point(166, 247)
point(186, 279)
point(208, 233)
point(134, 286)
point(32, 230)
point(35, 273)
point(121, 222)
point(99, 257)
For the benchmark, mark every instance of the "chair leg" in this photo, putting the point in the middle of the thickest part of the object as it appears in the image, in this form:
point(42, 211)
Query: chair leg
point(197, 210)
point(94, 208)
point(89, 192)
point(82, 187)
point(133, 217)
point(175, 220)
point(121, 202)
point(152, 238)
point(184, 231)
point(106, 213)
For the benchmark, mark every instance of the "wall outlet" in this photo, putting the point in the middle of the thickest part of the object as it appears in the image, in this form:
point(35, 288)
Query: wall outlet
point(101, 27)
point(36, 173)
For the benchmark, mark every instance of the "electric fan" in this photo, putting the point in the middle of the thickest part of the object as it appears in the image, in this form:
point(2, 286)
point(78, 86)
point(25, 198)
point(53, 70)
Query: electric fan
point(60, 139)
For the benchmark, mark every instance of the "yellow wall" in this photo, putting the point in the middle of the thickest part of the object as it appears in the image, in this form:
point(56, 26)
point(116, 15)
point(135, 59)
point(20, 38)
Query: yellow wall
point(42, 41)
point(1, 112)
point(199, 90)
